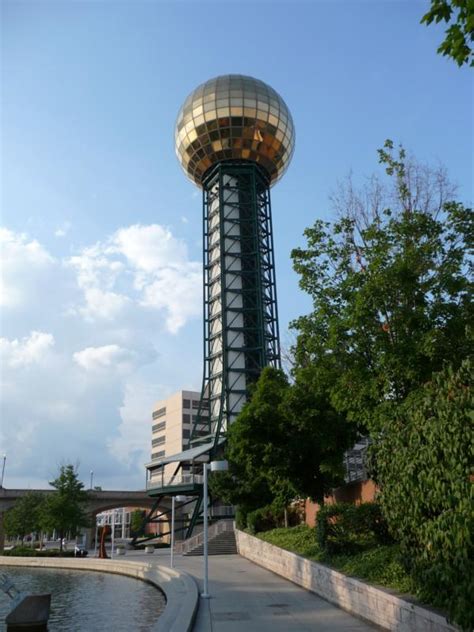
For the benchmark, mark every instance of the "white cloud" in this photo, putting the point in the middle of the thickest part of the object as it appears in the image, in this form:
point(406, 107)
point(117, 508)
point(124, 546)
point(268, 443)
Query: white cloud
point(81, 338)
point(105, 357)
point(149, 248)
point(63, 230)
point(179, 294)
point(131, 444)
point(143, 266)
point(31, 349)
point(23, 259)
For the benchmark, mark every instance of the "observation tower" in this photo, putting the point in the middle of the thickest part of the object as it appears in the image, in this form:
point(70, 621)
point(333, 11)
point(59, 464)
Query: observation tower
point(234, 138)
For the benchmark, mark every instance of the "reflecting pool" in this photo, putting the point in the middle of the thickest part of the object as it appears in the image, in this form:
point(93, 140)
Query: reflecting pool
point(87, 601)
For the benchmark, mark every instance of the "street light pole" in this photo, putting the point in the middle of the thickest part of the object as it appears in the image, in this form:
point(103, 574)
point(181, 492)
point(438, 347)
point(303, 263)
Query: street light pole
point(113, 534)
point(205, 594)
point(213, 466)
point(92, 478)
point(172, 532)
point(3, 470)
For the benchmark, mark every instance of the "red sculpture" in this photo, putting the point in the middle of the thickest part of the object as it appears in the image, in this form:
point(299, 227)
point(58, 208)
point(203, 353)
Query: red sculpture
point(103, 532)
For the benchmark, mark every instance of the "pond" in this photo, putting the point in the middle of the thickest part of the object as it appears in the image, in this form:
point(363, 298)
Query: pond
point(87, 601)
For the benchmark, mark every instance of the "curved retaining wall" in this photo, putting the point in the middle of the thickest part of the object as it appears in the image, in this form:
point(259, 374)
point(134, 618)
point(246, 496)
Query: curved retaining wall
point(180, 589)
point(379, 606)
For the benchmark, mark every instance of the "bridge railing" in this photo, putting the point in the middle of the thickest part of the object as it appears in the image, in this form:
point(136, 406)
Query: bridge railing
point(170, 481)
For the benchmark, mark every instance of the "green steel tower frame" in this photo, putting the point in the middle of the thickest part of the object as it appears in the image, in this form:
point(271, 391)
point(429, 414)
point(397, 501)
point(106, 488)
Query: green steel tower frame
point(240, 308)
point(234, 138)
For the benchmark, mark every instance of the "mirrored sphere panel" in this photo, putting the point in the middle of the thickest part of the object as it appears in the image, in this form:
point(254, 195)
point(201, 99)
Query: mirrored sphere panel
point(234, 117)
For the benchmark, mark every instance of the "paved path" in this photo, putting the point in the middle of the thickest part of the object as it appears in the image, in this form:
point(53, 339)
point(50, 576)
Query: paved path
point(248, 598)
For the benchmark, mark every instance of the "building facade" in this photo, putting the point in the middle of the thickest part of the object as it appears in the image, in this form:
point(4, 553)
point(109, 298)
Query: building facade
point(172, 422)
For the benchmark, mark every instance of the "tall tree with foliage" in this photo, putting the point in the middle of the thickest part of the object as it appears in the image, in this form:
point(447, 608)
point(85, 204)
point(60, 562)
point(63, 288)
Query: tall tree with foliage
point(64, 509)
point(425, 460)
point(286, 443)
point(459, 36)
point(25, 517)
point(391, 288)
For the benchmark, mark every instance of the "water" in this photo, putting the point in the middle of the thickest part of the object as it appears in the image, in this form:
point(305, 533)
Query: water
point(87, 601)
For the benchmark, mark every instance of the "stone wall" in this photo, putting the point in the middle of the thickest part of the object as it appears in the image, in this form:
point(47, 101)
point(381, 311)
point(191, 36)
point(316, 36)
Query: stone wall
point(376, 605)
point(180, 589)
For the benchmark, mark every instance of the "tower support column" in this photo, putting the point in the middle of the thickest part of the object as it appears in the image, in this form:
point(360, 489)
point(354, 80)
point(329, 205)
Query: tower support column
point(240, 319)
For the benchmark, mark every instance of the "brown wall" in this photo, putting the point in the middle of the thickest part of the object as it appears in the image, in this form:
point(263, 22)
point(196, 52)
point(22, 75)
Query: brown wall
point(356, 493)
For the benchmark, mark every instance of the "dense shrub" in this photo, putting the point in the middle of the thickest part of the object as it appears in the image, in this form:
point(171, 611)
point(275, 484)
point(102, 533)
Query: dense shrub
point(262, 519)
point(424, 468)
point(241, 517)
point(346, 528)
point(27, 551)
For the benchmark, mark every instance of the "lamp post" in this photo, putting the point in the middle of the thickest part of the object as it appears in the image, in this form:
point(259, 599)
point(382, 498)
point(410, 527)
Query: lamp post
point(3, 470)
point(113, 534)
point(213, 466)
point(173, 512)
point(92, 478)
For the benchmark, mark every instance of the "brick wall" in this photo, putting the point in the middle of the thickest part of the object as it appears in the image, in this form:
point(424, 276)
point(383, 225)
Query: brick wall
point(356, 493)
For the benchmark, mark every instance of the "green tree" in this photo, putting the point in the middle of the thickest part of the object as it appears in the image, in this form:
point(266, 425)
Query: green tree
point(137, 522)
point(24, 517)
point(425, 459)
point(64, 509)
point(286, 443)
point(255, 449)
point(459, 35)
point(390, 287)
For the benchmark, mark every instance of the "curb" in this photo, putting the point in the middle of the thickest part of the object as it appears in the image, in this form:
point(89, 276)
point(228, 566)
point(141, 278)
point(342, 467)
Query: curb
point(180, 589)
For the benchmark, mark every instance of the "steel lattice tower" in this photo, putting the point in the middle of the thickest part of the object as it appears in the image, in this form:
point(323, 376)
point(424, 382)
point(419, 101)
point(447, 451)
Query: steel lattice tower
point(235, 138)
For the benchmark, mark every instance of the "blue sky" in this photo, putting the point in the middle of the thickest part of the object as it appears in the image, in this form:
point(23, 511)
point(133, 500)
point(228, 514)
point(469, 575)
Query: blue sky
point(96, 325)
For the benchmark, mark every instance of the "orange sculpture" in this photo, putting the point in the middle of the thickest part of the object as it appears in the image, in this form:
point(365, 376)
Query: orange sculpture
point(104, 532)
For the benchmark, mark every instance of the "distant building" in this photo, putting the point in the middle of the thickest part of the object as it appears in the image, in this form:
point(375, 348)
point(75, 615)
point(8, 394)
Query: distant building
point(172, 423)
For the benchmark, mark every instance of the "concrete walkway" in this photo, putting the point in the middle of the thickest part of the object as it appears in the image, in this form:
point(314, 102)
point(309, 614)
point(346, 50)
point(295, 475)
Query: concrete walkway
point(248, 598)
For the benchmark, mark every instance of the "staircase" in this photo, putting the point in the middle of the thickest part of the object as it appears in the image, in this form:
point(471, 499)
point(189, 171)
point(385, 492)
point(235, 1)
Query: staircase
point(221, 540)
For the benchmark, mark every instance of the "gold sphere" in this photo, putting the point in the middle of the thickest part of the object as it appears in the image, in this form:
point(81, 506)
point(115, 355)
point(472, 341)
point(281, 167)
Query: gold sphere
point(234, 117)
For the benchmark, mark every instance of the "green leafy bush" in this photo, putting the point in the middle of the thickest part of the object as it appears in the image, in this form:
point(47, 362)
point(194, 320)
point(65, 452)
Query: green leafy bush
point(379, 564)
point(27, 551)
point(241, 517)
point(343, 527)
point(298, 539)
point(262, 519)
point(424, 468)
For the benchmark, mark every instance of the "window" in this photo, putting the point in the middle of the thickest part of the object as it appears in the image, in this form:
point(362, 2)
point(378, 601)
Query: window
point(186, 403)
point(185, 433)
point(158, 441)
point(186, 418)
point(157, 455)
point(158, 427)
point(196, 404)
point(159, 413)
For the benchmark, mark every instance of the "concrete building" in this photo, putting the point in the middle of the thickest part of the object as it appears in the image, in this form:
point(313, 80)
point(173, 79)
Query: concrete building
point(172, 423)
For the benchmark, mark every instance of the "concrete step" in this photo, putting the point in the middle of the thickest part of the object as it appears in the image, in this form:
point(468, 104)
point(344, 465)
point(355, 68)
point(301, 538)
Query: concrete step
point(221, 544)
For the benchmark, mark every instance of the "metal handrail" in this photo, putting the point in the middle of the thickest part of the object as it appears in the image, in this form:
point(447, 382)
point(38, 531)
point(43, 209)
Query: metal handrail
point(179, 479)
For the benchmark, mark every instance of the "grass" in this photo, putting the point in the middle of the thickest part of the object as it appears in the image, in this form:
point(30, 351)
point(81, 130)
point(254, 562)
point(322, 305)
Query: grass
point(376, 565)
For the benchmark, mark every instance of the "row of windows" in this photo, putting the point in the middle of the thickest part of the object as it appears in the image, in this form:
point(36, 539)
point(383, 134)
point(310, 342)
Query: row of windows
point(157, 455)
point(187, 418)
point(195, 404)
point(159, 413)
point(158, 427)
point(199, 433)
point(158, 441)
